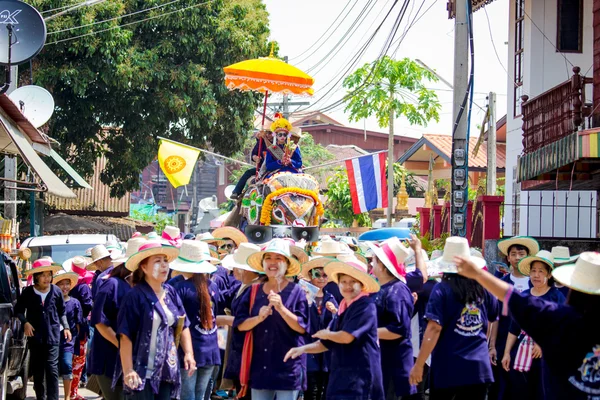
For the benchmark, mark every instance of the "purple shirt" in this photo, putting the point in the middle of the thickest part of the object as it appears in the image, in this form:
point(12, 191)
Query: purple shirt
point(99, 279)
point(135, 320)
point(234, 362)
point(75, 319)
point(318, 318)
point(394, 304)
point(45, 318)
point(569, 340)
point(356, 367)
point(83, 293)
point(103, 354)
point(460, 357)
point(273, 338)
point(204, 342)
point(504, 324)
point(414, 280)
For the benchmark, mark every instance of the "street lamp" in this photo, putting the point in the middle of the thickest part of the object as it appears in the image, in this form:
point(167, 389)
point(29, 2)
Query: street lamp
point(75, 7)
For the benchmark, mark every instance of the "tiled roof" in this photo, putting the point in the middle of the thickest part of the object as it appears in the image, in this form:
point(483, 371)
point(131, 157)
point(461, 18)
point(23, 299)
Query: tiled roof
point(442, 145)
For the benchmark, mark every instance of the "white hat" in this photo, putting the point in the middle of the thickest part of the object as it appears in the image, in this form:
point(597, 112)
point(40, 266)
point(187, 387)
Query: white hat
point(194, 258)
point(352, 266)
point(114, 248)
point(99, 252)
point(583, 276)
point(133, 245)
point(149, 249)
point(543, 256)
point(240, 257)
point(411, 260)
point(392, 253)
point(331, 248)
point(277, 246)
point(171, 236)
point(562, 255)
point(455, 246)
point(209, 238)
point(530, 243)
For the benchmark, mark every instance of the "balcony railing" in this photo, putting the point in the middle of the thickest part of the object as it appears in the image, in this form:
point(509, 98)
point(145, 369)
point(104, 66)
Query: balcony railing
point(555, 113)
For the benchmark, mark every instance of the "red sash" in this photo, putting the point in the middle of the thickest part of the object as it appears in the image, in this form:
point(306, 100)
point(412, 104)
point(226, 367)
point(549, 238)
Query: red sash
point(247, 351)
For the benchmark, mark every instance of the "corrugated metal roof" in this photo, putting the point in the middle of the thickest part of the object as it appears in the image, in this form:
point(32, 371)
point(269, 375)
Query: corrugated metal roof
point(97, 200)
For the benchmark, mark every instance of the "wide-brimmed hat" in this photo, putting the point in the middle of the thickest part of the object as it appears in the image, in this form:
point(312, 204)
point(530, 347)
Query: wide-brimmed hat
point(239, 258)
point(228, 232)
point(392, 253)
point(297, 251)
point(583, 276)
point(316, 262)
point(210, 239)
point(348, 240)
point(98, 252)
point(114, 248)
point(351, 266)
point(194, 258)
point(542, 255)
point(133, 245)
point(530, 243)
point(171, 236)
point(562, 255)
point(331, 248)
point(152, 236)
point(277, 246)
point(62, 275)
point(411, 259)
point(148, 249)
point(455, 246)
point(43, 265)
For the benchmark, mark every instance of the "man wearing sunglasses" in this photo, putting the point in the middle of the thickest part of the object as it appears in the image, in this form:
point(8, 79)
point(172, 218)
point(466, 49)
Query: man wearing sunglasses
point(283, 155)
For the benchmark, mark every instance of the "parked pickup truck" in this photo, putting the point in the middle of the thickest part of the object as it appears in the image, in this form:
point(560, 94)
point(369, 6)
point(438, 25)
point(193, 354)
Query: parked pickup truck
point(14, 355)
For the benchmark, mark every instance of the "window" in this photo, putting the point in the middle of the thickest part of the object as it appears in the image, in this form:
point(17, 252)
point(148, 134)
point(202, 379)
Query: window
point(570, 26)
point(519, 44)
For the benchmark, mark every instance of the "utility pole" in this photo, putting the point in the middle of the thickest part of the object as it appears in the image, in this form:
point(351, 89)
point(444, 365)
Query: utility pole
point(390, 176)
point(491, 146)
point(460, 163)
point(10, 163)
point(285, 103)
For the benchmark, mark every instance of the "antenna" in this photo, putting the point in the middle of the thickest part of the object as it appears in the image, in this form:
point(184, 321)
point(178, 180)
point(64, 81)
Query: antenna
point(35, 102)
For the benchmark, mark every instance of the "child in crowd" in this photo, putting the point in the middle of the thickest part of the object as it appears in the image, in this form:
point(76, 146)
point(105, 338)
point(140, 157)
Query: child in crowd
point(65, 281)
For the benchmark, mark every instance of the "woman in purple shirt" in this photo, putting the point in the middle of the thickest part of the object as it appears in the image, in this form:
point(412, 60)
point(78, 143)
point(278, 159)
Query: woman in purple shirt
point(458, 312)
point(567, 333)
point(278, 321)
point(146, 327)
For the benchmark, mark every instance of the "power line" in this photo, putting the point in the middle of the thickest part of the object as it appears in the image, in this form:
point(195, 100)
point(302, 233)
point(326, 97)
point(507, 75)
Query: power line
point(130, 23)
point(62, 8)
point(114, 18)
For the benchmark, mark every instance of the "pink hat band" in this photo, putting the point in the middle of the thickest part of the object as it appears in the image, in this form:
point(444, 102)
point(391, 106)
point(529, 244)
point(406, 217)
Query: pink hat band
point(172, 241)
point(150, 245)
point(398, 266)
point(356, 265)
point(41, 263)
point(78, 270)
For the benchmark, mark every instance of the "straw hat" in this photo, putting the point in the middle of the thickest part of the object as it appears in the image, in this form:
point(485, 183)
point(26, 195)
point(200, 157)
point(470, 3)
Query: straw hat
point(543, 255)
point(277, 246)
point(583, 276)
point(562, 255)
point(133, 245)
point(210, 239)
point(411, 260)
point(240, 257)
point(455, 246)
point(297, 251)
point(392, 254)
point(228, 232)
point(171, 236)
point(152, 236)
point(348, 240)
point(530, 243)
point(193, 258)
point(148, 249)
point(98, 252)
point(316, 262)
point(43, 265)
point(62, 275)
point(350, 265)
point(114, 248)
point(331, 248)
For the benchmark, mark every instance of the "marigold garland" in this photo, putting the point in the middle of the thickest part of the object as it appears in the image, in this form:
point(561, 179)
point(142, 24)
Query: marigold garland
point(267, 208)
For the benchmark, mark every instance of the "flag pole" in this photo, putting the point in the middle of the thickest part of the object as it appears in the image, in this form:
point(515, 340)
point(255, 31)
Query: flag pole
point(206, 151)
point(341, 161)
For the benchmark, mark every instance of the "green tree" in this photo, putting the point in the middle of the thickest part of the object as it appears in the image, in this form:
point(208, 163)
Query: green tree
point(160, 77)
point(339, 201)
point(388, 89)
point(412, 186)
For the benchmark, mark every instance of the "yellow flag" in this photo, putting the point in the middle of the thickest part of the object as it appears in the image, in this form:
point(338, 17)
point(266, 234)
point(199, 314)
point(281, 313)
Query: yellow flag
point(177, 161)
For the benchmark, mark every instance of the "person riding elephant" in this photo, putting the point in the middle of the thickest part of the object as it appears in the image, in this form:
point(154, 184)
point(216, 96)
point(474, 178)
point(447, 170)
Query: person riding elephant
point(283, 155)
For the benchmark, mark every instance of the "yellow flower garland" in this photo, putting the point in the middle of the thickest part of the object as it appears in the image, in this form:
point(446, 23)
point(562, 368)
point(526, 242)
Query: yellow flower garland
point(267, 208)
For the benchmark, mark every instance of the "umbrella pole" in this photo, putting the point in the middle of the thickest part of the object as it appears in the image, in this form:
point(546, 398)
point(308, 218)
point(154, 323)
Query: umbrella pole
point(260, 141)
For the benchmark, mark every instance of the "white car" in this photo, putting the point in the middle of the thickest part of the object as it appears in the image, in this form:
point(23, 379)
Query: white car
point(63, 247)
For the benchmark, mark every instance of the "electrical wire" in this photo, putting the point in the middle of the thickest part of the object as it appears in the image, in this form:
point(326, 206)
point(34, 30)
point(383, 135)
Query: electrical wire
point(130, 23)
point(114, 18)
point(62, 8)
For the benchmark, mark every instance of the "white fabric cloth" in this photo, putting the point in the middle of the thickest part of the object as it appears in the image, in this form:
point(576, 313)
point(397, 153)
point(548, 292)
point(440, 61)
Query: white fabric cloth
point(156, 319)
point(43, 295)
point(520, 284)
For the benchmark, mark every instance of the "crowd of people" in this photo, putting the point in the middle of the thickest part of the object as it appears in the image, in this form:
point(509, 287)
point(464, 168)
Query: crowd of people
point(180, 317)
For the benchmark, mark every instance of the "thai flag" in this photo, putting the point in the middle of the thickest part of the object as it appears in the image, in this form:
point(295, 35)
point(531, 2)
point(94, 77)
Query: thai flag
point(368, 185)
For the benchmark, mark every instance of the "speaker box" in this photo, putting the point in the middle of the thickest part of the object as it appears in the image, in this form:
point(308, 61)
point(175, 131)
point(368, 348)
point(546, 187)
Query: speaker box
point(308, 233)
point(258, 234)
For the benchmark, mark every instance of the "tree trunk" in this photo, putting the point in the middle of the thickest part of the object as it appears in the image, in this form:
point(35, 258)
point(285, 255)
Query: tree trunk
point(391, 163)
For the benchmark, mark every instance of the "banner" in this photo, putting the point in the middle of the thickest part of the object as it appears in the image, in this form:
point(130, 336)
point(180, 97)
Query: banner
point(177, 161)
point(368, 184)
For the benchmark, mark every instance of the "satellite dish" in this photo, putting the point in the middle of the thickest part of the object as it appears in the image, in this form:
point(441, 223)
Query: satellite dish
point(229, 191)
point(28, 32)
point(35, 102)
point(207, 204)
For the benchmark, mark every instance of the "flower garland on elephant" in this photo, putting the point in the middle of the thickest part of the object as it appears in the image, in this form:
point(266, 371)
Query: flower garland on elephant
point(267, 208)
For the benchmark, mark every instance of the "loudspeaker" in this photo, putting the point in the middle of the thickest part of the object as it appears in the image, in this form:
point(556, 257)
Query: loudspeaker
point(258, 234)
point(308, 233)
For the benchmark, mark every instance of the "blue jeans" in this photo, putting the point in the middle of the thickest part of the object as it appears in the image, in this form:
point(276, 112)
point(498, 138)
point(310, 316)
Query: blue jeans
point(195, 387)
point(239, 187)
point(270, 394)
point(65, 365)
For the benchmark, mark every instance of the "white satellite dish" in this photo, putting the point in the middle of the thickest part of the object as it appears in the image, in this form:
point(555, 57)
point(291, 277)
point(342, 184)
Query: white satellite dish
point(229, 191)
point(208, 203)
point(35, 102)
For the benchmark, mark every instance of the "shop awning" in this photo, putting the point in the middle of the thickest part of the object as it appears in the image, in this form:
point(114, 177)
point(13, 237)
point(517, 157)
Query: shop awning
point(15, 142)
point(65, 165)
